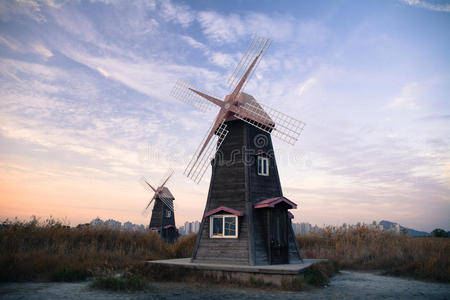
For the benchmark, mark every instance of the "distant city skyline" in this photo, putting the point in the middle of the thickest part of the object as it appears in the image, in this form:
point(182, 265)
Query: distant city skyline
point(85, 109)
point(192, 227)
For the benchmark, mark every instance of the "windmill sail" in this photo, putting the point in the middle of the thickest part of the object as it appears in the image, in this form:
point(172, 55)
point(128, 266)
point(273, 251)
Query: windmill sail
point(147, 185)
point(236, 105)
point(257, 48)
point(166, 198)
point(270, 120)
point(182, 92)
point(165, 178)
point(161, 192)
point(206, 151)
point(145, 211)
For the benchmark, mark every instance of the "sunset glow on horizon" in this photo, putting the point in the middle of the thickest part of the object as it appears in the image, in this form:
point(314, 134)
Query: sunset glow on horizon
point(85, 109)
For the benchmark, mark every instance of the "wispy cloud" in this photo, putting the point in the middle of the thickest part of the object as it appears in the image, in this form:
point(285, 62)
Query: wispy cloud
point(178, 13)
point(221, 28)
point(436, 6)
point(39, 48)
point(194, 43)
point(408, 97)
point(85, 101)
point(10, 43)
point(304, 86)
point(13, 9)
point(230, 28)
point(35, 46)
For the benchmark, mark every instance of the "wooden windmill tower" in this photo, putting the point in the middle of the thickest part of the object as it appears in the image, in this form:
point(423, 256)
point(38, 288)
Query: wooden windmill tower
point(163, 213)
point(246, 218)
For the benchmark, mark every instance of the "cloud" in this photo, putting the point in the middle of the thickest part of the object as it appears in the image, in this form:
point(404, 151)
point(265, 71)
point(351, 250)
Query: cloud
point(10, 43)
point(137, 20)
point(442, 7)
point(437, 117)
point(413, 95)
point(21, 67)
point(194, 43)
point(39, 48)
point(407, 98)
point(222, 59)
point(81, 122)
point(178, 13)
point(103, 72)
point(221, 28)
point(9, 10)
point(152, 78)
point(76, 24)
point(99, 109)
point(304, 86)
point(230, 28)
point(33, 112)
point(36, 47)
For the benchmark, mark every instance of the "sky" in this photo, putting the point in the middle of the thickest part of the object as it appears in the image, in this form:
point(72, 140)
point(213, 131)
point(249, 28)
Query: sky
point(85, 109)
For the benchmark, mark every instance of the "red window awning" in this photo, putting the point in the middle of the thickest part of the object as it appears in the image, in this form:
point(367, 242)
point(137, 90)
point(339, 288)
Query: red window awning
point(225, 209)
point(271, 202)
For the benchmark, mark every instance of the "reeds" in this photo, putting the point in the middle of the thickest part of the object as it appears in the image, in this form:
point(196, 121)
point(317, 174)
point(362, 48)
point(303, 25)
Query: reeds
point(362, 248)
point(51, 250)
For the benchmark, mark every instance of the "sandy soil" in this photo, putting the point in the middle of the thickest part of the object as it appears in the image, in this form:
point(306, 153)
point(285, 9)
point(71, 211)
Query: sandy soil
point(346, 285)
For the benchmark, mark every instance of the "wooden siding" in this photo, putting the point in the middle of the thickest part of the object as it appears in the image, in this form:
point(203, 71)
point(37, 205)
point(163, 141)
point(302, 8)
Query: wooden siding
point(236, 184)
point(156, 218)
point(227, 188)
point(294, 251)
point(159, 220)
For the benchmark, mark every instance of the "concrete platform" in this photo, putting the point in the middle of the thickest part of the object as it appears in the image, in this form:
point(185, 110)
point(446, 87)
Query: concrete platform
point(289, 269)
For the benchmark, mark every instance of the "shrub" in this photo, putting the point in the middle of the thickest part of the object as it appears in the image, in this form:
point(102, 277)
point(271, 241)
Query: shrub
point(123, 282)
point(319, 274)
point(69, 274)
point(438, 232)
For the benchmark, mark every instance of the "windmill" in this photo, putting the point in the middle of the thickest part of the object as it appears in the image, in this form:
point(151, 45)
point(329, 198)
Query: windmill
point(246, 218)
point(163, 213)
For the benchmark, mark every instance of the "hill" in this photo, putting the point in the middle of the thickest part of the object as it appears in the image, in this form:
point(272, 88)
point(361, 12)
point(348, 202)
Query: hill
point(411, 232)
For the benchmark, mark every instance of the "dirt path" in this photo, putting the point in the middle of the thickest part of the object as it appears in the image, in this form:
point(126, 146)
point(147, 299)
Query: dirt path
point(346, 285)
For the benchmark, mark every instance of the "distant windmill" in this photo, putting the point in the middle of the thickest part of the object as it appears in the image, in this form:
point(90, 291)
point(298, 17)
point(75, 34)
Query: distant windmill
point(163, 213)
point(246, 218)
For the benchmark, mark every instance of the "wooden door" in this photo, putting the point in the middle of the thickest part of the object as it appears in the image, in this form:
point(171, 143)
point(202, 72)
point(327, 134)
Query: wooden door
point(278, 236)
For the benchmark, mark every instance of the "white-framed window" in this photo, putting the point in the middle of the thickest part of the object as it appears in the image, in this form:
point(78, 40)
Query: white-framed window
point(263, 166)
point(168, 213)
point(223, 226)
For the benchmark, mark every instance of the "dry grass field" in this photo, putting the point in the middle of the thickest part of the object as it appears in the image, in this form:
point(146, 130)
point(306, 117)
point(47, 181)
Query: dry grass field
point(49, 250)
point(366, 249)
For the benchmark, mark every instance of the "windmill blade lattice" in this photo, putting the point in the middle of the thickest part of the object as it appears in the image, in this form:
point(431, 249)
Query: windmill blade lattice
point(160, 192)
point(147, 185)
point(284, 127)
point(166, 199)
point(145, 212)
point(181, 91)
point(201, 160)
point(258, 46)
point(162, 195)
point(165, 178)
